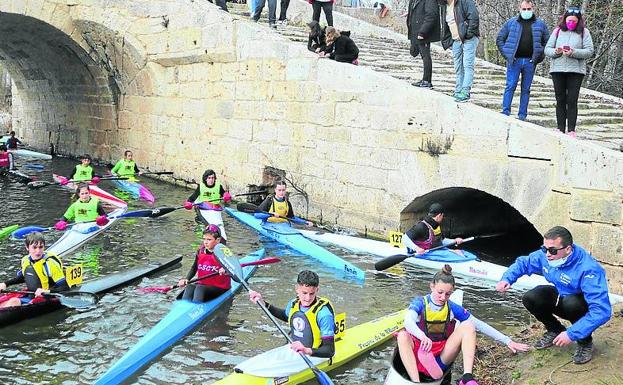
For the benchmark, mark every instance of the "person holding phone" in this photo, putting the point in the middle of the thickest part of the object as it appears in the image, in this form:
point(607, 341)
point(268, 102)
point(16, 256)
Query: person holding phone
point(569, 46)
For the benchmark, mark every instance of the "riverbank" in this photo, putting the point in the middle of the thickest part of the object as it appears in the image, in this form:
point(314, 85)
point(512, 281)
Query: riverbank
point(553, 366)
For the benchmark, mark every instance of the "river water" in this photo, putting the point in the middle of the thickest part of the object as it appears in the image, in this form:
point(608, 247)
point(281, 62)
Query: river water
point(72, 347)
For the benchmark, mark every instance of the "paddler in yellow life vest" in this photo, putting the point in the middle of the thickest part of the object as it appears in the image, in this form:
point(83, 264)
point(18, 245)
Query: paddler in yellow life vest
point(311, 318)
point(210, 193)
point(84, 171)
point(426, 234)
point(279, 205)
point(85, 209)
point(126, 167)
point(42, 272)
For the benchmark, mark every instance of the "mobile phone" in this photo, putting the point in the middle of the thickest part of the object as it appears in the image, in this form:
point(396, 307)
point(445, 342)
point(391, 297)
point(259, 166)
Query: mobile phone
point(566, 48)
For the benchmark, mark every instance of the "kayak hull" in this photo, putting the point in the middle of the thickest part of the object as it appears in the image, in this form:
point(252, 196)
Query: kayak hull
point(137, 190)
point(212, 217)
point(31, 154)
point(182, 318)
point(356, 341)
point(397, 374)
point(12, 315)
point(81, 233)
point(103, 196)
point(6, 231)
point(291, 237)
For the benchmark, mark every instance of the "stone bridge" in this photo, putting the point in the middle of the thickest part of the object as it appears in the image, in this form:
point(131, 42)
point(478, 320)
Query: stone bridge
point(188, 87)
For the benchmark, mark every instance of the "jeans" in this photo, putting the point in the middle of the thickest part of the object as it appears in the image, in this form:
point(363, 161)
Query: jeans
point(272, 10)
point(327, 7)
point(427, 61)
point(567, 89)
point(464, 56)
point(524, 67)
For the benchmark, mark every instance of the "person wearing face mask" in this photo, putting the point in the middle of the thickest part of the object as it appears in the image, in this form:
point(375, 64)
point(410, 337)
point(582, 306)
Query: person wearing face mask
point(579, 293)
point(569, 46)
point(521, 41)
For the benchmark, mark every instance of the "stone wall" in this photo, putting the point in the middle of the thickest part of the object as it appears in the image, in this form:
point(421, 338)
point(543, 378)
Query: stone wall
point(190, 87)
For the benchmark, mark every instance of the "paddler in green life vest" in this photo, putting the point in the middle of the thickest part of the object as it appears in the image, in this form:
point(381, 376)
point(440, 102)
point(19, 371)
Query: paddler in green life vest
point(209, 194)
point(279, 205)
point(85, 209)
point(311, 318)
point(126, 167)
point(41, 271)
point(83, 172)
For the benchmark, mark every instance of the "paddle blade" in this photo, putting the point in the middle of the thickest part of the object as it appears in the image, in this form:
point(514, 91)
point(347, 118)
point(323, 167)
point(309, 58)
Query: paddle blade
point(22, 232)
point(156, 289)
point(390, 261)
point(78, 299)
point(160, 211)
point(38, 184)
point(146, 213)
point(229, 262)
point(322, 377)
point(262, 216)
point(247, 207)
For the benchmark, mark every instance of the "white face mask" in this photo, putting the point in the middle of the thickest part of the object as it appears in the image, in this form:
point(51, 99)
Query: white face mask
point(557, 262)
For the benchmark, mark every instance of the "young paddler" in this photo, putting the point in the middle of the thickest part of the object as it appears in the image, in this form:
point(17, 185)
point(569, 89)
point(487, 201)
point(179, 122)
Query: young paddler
point(6, 160)
point(311, 318)
point(126, 167)
point(85, 209)
point(279, 205)
point(210, 195)
point(41, 271)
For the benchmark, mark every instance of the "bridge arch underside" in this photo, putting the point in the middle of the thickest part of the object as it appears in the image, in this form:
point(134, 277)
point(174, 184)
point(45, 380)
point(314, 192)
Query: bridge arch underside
point(474, 212)
point(60, 95)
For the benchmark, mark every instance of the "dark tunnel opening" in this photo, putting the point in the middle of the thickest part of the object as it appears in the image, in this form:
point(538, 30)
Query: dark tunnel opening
point(470, 212)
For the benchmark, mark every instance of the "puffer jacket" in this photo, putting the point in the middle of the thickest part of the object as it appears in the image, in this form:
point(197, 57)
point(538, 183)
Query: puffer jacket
point(583, 49)
point(510, 34)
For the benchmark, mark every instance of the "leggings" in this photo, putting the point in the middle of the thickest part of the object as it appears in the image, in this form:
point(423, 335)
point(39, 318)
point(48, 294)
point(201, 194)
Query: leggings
point(202, 293)
point(544, 302)
point(567, 89)
point(327, 6)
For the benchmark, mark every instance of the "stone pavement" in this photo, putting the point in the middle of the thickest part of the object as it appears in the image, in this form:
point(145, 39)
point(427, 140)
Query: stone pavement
point(600, 116)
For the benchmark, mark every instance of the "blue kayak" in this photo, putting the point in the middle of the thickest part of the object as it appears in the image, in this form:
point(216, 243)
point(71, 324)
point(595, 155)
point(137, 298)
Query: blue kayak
point(291, 237)
point(183, 317)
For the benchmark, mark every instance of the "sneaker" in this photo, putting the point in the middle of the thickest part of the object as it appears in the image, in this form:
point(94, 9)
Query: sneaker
point(425, 84)
point(467, 379)
point(461, 97)
point(571, 134)
point(546, 341)
point(272, 25)
point(417, 84)
point(583, 353)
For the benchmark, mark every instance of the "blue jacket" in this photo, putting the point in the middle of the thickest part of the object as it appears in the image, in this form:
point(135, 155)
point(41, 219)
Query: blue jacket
point(580, 274)
point(510, 34)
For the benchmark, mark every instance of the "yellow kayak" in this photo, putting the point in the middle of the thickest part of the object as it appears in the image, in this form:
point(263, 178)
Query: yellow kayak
point(355, 341)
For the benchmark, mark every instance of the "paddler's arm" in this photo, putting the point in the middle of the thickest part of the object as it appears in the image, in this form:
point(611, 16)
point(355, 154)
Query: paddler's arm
point(500, 337)
point(57, 276)
point(524, 265)
point(136, 170)
point(193, 268)
point(290, 210)
point(265, 205)
point(194, 195)
point(11, 162)
point(326, 323)
point(116, 168)
point(14, 281)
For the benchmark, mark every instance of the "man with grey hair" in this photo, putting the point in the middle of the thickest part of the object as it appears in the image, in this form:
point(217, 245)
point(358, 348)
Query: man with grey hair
point(579, 293)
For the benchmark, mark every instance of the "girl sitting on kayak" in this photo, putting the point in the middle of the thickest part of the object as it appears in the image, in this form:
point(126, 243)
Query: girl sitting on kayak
point(279, 205)
point(41, 271)
point(84, 171)
point(206, 263)
point(431, 340)
point(210, 195)
point(85, 209)
point(126, 167)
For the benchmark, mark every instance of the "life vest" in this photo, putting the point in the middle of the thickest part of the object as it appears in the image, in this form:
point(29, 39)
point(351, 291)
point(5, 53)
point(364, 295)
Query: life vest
point(11, 143)
point(208, 264)
point(437, 326)
point(126, 167)
point(5, 161)
point(210, 195)
point(83, 211)
point(38, 274)
point(303, 324)
point(279, 207)
point(83, 173)
point(434, 237)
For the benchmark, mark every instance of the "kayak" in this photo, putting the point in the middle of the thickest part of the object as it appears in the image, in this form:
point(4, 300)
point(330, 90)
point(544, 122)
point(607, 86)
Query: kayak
point(97, 192)
point(23, 178)
point(6, 231)
point(81, 233)
point(11, 315)
point(283, 366)
point(285, 234)
point(30, 154)
point(182, 318)
point(137, 190)
point(211, 216)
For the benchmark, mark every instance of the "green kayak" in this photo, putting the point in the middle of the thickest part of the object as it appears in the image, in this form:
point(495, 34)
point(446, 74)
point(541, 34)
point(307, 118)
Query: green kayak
point(6, 231)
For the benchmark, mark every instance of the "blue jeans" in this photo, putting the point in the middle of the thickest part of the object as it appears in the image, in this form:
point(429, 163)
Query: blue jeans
point(272, 10)
point(464, 56)
point(524, 67)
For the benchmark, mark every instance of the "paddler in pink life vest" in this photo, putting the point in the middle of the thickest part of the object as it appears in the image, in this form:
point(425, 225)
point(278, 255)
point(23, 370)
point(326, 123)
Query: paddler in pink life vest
point(41, 271)
point(431, 342)
point(6, 160)
point(85, 209)
point(279, 205)
point(426, 234)
point(205, 264)
point(311, 318)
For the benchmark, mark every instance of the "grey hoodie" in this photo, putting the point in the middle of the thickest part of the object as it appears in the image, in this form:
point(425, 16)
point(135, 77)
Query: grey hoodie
point(582, 45)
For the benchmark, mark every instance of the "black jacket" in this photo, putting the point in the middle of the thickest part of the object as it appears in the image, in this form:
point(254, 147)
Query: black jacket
point(317, 40)
point(343, 49)
point(466, 17)
point(423, 19)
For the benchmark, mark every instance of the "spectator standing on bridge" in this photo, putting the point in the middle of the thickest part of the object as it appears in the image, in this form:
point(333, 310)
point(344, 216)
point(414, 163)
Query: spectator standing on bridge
point(461, 31)
point(579, 293)
point(569, 45)
point(522, 42)
point(272, 12)
point(326, 6)
point(423, 28)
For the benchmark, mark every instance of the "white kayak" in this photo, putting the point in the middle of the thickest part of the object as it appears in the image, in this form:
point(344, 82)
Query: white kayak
point(81, 233)
point(104, 196)
point(212, 217)
point(30, 154)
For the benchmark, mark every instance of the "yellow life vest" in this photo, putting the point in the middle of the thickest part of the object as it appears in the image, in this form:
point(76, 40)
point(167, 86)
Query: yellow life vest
point(304, 325)
point(37, 274)
point(280, 208)
point(436, 324)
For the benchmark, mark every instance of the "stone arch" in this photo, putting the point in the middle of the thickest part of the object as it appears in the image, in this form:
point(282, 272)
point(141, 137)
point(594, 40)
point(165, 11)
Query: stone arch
point(470, 211)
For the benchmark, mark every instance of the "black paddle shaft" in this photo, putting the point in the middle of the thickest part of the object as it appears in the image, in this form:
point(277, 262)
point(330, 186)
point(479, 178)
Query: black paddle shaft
point(392, 260)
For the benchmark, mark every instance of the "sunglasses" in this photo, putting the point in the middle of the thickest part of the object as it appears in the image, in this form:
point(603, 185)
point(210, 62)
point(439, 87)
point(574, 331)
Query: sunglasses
point(573, 11)
point(552, 250)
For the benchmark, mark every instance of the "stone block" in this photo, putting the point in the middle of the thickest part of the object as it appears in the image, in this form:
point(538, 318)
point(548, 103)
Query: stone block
point(301, 69)
point(588, 166)
point(607, 244)
point(582, 232)
point(596, 206)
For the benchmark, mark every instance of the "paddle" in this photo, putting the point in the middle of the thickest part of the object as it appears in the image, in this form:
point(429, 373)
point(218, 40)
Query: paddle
point(72, 299)
point(166, 289)
point(43, 183)
point(155, 173)
point(23, 178)
point(251, 193)
point(253, 209)
point(233, 267)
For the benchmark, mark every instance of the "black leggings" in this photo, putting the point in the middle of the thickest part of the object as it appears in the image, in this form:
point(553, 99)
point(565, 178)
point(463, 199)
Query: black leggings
point(284, 8)
point(544, 302)
point(567, 89)
point(201, 293)
point(327, 6)
point(427, 61)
